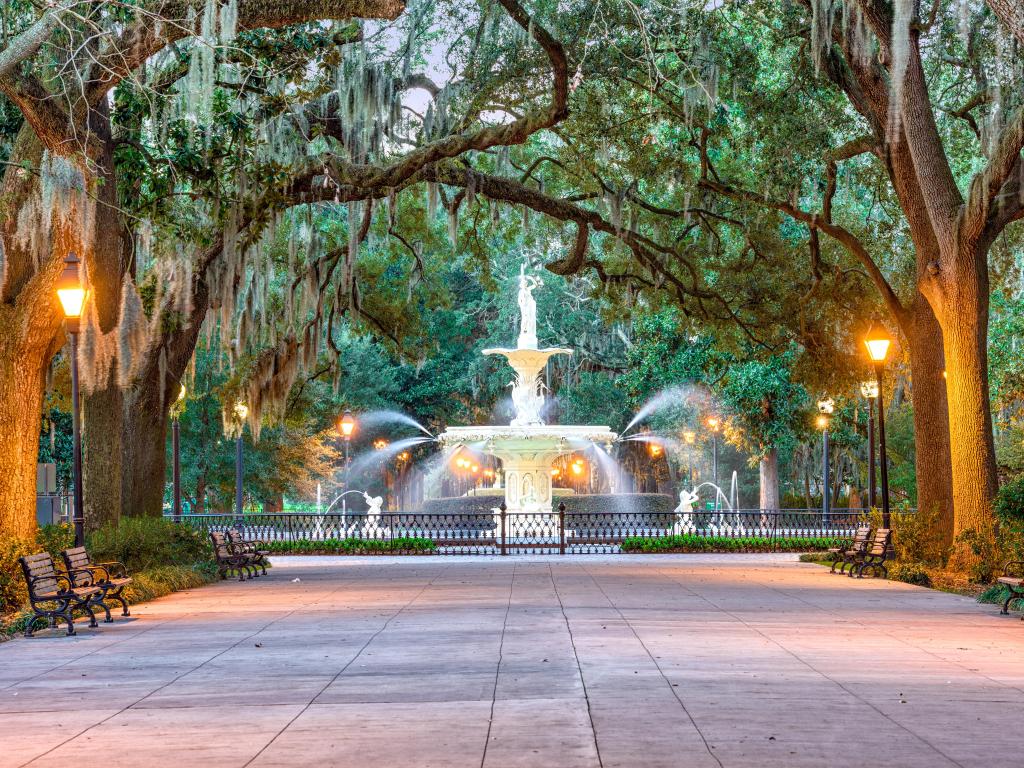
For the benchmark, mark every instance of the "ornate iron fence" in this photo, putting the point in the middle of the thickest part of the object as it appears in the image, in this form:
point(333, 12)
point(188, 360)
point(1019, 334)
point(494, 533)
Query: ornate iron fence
point(525, 532)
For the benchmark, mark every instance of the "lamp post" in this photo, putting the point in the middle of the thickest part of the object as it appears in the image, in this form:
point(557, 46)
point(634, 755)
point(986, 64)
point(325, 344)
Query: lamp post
point(176, 456)
point(877, 341)
point(72, 297)
point(870, 391)
point(347, 427)
point(689, 437)
point(826, 406)
point(713, 423)
point(241, 412)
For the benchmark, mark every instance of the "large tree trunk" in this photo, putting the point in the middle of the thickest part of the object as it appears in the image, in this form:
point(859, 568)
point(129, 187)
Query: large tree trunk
point(35, 241)
point(770, 480)
point(931, 418)
point(102, 408)
point(146, 404)
point(963, 303)
point(21, 403)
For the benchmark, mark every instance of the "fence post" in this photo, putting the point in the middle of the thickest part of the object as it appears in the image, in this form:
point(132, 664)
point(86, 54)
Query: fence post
point(561, 528)
point(503, 509)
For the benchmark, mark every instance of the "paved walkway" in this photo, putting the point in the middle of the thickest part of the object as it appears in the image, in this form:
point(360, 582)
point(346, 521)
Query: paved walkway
point(554, 662)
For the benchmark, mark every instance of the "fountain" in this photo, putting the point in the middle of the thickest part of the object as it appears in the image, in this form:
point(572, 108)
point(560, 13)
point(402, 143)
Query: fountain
point(527, 446)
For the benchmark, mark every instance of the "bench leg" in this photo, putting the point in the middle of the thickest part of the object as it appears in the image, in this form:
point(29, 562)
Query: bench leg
point(1006, 603)
point(124, 603)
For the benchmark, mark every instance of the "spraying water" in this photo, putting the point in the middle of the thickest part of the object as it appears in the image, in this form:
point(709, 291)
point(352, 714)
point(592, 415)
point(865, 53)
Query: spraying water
point(686, 394)
point(368, 459)
point(377, 418)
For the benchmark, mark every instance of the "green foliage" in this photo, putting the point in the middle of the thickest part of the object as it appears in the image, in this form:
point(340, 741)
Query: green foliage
point(764, 405)
point(695, 543)
point(1009, 504)
point(143, 543)
point(397, 546)
point(911, 573)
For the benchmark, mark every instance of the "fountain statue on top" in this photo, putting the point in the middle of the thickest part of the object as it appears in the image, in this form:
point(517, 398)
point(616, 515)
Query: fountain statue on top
point(527, 446)
point(526, 360)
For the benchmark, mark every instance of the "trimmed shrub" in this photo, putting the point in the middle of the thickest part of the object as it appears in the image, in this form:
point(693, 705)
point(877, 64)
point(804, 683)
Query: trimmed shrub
point(693, 543)
point(406, 545)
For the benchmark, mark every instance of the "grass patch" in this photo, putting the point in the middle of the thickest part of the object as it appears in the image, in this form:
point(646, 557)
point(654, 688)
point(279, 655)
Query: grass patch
point(694, 543)
point(399, 546)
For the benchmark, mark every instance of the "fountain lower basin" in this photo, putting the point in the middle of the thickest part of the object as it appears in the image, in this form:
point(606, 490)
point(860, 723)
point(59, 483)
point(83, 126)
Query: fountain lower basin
point(526, 454)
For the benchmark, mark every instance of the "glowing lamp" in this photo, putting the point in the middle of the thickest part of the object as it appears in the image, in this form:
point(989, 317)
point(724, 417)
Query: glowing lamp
point(822, 421)
point(347, 425)
point(877, 341)
point(555, 471)
point(70, 291)
point(713, 422)
point(181, 394)
point(577, 469)
point(380, 444)
point(241, 410)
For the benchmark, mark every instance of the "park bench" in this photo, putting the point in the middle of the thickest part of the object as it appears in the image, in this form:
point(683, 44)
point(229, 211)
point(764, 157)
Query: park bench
point(230, 558)
point(54, 595)
point(254, 549)
point(1015, 583)
point(845, 555)
point(112, 577)
point(879, 550)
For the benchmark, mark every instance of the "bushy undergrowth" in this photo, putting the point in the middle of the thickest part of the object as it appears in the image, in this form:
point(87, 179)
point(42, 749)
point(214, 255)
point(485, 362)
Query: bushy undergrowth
point(694, 543)
point(402, 545)
point(142, 543)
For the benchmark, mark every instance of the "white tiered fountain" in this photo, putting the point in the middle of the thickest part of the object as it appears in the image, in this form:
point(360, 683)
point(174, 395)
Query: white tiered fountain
point(527, 446)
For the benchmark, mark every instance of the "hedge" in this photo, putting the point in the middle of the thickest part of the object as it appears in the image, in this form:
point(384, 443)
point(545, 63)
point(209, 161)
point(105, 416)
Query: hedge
point(692, 543)
point(401, 545)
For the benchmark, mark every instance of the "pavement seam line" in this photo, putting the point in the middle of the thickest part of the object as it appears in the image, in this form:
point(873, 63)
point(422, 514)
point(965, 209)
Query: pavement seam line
point(891, 636)
point(341, 671)
point(657, 666)
point(169, 682)
point(579, 667)
point(497, 669)
point(817, 671)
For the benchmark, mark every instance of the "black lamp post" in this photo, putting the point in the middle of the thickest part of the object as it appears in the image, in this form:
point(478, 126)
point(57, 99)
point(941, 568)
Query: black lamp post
point(241, 412)
point(347, 427)
point(713, 424)
point(176, 456)
point(826, 406)
point(877, 341)
point(72, 296)
point(870, 391)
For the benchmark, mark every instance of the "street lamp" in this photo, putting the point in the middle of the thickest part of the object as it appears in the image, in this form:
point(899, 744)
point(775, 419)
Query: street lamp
point(826, 406)
point(72, 297)
point(713, 423)
point(241, 413)
point(176, 454)
point(870, 391)
point(877, 341)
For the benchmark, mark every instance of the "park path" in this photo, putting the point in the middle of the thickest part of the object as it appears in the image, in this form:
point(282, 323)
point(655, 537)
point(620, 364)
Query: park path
point(527, 661)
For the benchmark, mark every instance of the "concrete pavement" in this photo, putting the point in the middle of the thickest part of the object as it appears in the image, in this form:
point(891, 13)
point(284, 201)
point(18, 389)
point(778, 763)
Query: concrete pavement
point(527, 661)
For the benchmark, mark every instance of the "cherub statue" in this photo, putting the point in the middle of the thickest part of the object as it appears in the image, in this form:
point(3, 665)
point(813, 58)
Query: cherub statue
point(373, 508)
point(686, 501)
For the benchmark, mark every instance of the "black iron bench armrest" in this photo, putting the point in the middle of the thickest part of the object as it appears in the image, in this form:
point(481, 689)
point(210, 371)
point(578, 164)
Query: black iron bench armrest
point(1012, 565)
point(113, 569)
point(87, 573)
